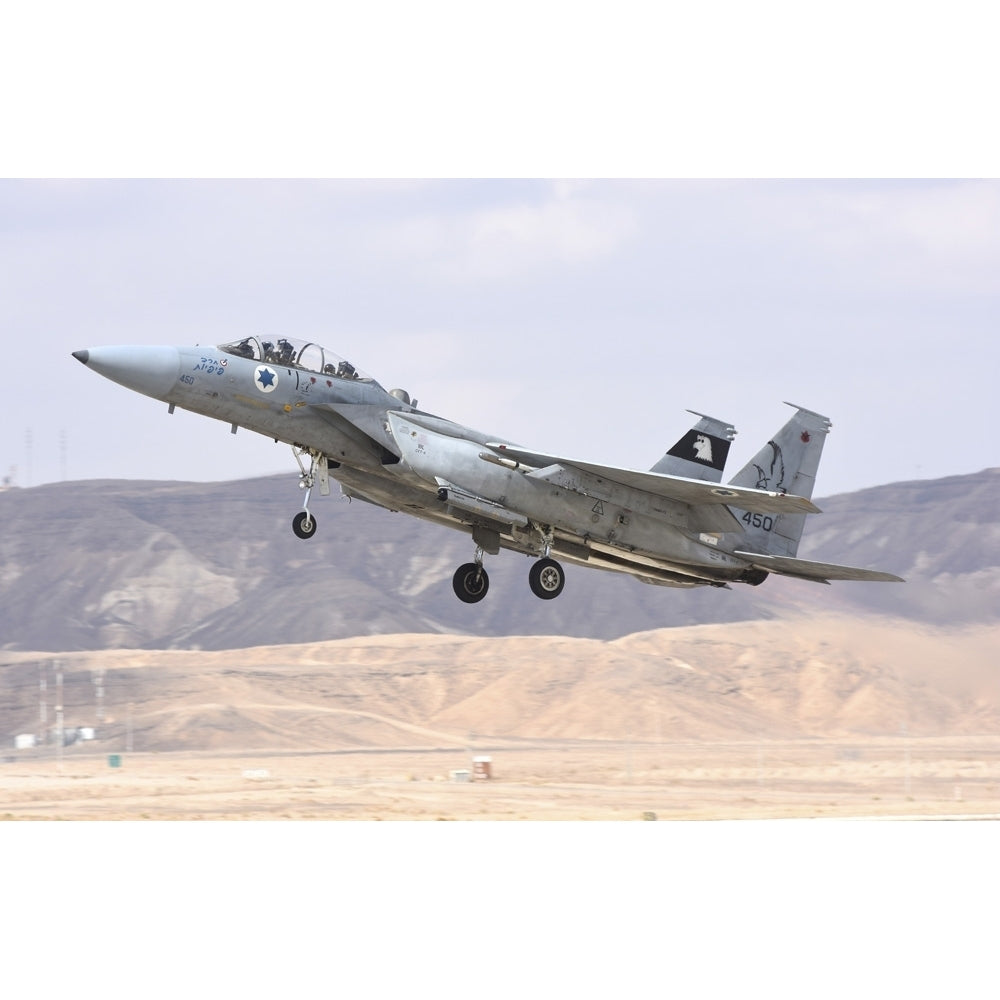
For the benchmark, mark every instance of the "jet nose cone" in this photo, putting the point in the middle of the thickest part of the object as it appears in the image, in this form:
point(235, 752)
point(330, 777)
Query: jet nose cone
point(152, 371)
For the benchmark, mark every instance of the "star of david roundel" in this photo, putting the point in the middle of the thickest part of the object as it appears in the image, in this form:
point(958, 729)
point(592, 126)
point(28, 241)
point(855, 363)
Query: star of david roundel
point(266, 379)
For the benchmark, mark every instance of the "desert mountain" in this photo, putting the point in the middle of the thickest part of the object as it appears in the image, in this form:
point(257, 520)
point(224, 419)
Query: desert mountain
point(820, 677)
point(104, 564)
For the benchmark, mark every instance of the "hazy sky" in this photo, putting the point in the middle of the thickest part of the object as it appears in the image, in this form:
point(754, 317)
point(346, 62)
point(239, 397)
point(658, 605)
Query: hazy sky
point(579, 317)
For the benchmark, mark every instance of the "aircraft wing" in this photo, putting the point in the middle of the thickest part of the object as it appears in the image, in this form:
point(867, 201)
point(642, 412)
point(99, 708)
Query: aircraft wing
point(820, 572)
point(694, 492)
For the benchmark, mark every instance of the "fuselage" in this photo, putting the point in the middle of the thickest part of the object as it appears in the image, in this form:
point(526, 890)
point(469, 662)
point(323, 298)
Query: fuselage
point(383, 449)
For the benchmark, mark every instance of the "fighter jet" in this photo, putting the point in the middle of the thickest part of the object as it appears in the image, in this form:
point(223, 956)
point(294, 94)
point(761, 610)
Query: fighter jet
point(675, 525)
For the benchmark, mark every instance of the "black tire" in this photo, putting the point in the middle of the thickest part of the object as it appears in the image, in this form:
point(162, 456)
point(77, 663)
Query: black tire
point(547, 579)
point(471, 583)
point(304, 524)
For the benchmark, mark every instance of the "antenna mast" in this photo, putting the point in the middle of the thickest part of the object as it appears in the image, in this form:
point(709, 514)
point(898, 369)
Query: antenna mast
point(60, 740)
point(98, 678)
point(43, 720)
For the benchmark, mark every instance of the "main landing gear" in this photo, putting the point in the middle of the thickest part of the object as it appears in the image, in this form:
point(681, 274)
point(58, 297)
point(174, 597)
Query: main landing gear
point(546, 579)
point(304, 524)
point(471, 582)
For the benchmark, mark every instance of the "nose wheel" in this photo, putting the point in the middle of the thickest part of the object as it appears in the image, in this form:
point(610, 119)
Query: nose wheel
point(304, 524)
point(546, 579)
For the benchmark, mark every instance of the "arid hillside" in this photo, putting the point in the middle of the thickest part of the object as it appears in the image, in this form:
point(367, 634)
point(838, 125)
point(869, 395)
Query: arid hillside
point(810, 678)
point(92, 565)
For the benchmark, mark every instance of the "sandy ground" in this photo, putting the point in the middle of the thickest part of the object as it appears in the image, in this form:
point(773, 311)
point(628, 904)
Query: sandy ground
point(538, 781)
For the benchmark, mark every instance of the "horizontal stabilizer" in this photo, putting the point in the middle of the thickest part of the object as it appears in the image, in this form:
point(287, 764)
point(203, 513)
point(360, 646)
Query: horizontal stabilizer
point(688, 491)
point(820, 572)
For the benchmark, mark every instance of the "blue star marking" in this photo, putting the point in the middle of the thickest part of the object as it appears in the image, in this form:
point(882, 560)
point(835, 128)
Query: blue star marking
point(266, 379)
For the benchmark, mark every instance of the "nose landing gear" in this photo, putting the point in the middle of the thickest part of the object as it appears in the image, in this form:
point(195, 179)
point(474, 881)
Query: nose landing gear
point(304, 524)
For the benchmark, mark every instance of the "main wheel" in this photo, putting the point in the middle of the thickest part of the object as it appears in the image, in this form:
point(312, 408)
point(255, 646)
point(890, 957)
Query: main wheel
point(547, 579)
point(470, 582)
point(304, 524)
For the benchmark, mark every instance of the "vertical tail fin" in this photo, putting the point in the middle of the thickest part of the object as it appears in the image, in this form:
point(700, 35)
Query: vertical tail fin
point(787, 464)
point(701, 453)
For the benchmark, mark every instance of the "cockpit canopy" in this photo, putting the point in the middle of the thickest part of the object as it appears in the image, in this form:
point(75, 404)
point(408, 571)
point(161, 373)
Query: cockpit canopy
point(294, 353)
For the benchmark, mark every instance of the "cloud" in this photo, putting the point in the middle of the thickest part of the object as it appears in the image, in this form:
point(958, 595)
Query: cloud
point(551, 226)
point(929, 235)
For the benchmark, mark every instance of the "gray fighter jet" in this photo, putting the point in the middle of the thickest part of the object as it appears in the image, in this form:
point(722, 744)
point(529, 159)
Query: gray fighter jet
point(676, 525)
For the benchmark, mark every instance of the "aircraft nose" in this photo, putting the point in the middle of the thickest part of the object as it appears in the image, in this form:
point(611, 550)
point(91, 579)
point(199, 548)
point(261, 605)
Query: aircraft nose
point(152, 371)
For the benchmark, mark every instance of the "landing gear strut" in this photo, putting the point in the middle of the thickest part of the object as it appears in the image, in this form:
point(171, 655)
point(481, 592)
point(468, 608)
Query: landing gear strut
point(304, 524)
point(546, 577)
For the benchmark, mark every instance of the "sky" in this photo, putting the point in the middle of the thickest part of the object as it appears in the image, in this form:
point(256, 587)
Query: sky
point(580, 317)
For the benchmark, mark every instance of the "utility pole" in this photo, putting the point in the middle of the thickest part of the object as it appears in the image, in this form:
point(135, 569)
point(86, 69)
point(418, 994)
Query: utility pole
point(59, 712)
point(98, 678)
point(43, 709)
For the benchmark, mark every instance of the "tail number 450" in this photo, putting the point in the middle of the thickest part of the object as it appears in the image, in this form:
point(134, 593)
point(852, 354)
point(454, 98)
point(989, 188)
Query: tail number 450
point(763, 521)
